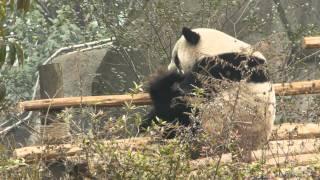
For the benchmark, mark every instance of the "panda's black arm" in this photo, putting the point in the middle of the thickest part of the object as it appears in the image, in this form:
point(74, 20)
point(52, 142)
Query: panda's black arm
point(189, 82)
point(163, 89)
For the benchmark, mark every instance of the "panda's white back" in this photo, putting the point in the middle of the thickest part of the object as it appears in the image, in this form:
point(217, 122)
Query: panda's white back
point(249, 108)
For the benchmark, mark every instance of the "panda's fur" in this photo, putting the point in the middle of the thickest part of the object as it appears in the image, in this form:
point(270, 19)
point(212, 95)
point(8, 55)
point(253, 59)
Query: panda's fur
point(214, 54)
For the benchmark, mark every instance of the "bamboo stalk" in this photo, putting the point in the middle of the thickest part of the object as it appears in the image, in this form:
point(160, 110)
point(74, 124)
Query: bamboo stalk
point(281, 89)
point(311, 42)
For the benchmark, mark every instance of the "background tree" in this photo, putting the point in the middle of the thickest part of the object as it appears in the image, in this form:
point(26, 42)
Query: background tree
point(10, 49)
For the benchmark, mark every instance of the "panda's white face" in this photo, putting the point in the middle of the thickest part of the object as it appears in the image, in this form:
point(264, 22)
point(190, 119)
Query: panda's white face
point(184, 56)
point(198, 43)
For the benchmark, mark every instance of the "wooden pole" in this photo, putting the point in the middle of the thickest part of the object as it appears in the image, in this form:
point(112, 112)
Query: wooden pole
point(281, 89)
point(311, 42)
point(51, 86)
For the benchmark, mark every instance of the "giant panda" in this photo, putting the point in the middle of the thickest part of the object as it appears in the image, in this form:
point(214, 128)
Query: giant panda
point(212, 53)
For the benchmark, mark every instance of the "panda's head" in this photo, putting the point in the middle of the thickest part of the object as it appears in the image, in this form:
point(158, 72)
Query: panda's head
point(199, 43)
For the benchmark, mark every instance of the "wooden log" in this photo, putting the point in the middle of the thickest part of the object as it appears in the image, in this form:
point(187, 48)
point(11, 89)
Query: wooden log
point(106, 101)
point(277, 151)
point(306, 146)
point(296, 131)
point(311, 42)
point(285, 161)
point(282, 152)
point(297, 88)
point(282, 89)
point(32, 153)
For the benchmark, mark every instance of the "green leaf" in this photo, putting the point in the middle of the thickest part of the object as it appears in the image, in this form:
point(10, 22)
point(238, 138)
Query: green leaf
point(2, 11)
point(3, 53)
point(12, 53)
point(19, 52)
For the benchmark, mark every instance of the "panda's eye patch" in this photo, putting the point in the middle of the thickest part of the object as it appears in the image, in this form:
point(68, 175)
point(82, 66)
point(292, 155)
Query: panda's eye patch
point(255, 62)
point(177, 62)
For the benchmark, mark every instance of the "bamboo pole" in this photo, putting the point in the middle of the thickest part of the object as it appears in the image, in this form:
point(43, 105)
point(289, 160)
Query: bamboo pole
point(280, 142)
point(281, 89)
point(311, 42)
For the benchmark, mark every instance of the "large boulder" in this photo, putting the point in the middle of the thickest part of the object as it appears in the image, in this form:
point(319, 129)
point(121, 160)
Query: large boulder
point(101, 71)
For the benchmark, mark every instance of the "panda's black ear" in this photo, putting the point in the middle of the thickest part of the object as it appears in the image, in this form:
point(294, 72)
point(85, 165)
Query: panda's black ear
point(192, 37)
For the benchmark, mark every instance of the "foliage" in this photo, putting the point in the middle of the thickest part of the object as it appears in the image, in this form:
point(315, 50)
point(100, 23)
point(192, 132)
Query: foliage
point(39, 39)
point(8, 43)
point(162, 159)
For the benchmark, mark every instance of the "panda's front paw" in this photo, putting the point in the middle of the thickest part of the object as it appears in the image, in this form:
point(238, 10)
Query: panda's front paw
point(165, 80)
point(173, 77)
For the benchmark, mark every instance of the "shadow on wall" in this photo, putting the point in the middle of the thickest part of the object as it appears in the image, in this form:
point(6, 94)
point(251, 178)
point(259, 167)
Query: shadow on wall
point(118, 70)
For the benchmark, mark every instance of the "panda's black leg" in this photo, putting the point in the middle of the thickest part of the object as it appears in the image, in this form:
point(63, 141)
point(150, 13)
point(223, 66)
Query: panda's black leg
point(147, 119)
